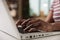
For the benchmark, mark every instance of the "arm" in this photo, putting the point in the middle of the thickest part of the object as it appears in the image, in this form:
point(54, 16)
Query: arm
point(49, 17)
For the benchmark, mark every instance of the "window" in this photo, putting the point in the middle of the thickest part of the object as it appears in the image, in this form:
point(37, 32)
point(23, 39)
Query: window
point(36, 6)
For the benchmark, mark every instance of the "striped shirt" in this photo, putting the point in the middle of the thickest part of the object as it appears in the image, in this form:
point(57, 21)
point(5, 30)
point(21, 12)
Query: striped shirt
point(55, 7)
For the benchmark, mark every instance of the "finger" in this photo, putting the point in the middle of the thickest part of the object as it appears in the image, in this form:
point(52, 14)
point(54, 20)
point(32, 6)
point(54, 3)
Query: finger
point(24, 22)
point(32, 22)
point(19, 21)
point(27, 27)
point(32, 30)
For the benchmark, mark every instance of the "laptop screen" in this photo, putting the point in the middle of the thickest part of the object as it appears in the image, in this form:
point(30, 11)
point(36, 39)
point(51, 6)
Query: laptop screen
point(7, 25)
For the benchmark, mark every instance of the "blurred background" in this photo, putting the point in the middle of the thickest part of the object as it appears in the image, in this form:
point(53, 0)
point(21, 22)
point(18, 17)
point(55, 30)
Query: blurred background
point(29, 8)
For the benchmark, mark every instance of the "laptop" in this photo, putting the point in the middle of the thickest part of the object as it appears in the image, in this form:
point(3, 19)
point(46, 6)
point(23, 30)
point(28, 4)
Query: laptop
point(9, 31)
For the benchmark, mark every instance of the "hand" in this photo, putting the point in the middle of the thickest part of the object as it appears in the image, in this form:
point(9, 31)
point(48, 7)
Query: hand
point(33, 25)
point(56, 26)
